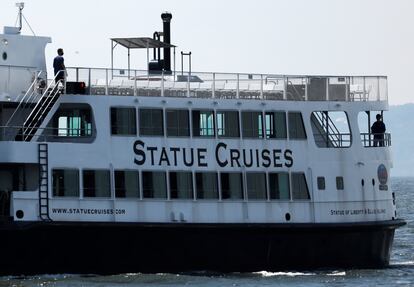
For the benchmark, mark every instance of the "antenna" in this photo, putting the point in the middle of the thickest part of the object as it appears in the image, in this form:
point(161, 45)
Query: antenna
point(20, 17)
point(20, 5)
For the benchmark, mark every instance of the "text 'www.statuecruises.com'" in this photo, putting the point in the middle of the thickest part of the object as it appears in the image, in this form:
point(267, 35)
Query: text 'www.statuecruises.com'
point(91, 211)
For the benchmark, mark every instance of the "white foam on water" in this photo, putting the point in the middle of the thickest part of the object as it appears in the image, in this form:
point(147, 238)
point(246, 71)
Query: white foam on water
point(407, 263)
point(288, 274)
point(337, 273)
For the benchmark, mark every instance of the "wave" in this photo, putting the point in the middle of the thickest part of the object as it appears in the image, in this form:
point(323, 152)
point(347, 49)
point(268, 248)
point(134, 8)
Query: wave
point(402, 264)
point(289, 274)
point(294, 274)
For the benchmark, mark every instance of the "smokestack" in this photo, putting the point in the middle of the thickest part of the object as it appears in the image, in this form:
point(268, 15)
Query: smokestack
point(166, 19)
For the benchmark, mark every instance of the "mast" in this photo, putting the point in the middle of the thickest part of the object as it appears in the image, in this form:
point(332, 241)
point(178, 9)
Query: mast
point(20, 5)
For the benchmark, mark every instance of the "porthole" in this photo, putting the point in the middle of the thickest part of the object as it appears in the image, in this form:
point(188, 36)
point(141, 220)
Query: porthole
point(19, 214)
point(373, 182)
point(287, 216)
point(362, 182)
point(4, 56)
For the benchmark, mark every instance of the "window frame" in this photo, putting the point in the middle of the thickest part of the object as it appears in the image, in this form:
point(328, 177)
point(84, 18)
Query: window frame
point(266, 192)
point(243, 198)
point(306, 185)
point(178, 126)
point(214, 123)
point(217, 198)
point(112, 126)
point(238, 124)
point(288, 182)
point(139, 184)
point(321, 182)
point(274, 112)
point(303, 125)
point(78, 181)
point(261, 134)
point(109, 184)
point(163, 132)
point(340, 183)
point(190, 173)
point(143, 178)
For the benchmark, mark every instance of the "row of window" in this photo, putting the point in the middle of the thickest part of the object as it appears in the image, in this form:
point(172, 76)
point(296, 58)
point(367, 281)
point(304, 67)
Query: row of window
point(322, 186)
point(207, 123)
point(208, 185)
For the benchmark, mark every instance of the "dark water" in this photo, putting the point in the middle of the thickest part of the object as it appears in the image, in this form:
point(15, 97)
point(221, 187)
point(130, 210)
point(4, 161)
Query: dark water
point(400, 273)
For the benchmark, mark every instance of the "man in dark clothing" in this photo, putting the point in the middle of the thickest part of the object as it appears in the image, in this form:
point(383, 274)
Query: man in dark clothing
point(59, 66)
point(378, 130)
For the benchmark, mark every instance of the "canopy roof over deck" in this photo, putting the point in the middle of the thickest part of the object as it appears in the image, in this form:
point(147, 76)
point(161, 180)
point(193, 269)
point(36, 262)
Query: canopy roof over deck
point(138, 43)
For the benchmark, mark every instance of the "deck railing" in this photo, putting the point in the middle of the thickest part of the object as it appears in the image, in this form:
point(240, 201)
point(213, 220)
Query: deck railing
point(376, 140)
point(230, 86)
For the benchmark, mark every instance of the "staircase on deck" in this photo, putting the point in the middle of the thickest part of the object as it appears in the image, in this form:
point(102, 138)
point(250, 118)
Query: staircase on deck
point(27, 126)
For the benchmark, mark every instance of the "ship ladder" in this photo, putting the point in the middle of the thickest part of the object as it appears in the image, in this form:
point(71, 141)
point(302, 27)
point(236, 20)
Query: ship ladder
point(43, 182)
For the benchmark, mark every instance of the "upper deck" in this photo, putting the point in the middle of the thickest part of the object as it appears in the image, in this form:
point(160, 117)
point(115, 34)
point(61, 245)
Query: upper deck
point(124, 82)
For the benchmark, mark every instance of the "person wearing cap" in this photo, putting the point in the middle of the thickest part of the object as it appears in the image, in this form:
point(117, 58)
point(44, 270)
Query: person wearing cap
point(378, 130)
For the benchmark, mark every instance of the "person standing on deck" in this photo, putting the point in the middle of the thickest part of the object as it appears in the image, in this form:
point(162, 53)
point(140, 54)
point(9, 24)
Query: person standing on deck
point(59, 66)
point(378, 130)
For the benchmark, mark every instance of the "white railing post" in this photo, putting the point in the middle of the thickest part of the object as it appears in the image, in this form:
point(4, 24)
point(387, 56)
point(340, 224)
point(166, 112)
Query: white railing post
point(89, 80)
point(162, 83)
point(135, 83)
point(188, 84)
point(306, 87)
point(214, 85)
point(386, 88)
point(364, 93)
point(106, 82)
point(347, 87)
point(378, 89)
point(238, 87)
point(261, 86)
point(285, 86)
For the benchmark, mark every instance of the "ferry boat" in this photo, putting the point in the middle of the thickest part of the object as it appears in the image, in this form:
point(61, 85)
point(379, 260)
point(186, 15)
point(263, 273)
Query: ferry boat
point(121, 170)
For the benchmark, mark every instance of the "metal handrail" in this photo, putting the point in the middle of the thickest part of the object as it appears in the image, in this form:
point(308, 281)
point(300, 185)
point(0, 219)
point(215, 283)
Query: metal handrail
point(274, 76)
point(54, 132)
point(25, 95)
point(259, 91)
point(332, 130)
point(368, 139)
point(41, 110)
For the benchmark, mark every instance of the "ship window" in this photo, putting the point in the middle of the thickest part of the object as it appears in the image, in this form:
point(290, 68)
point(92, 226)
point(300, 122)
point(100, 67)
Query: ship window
point(203, 123)
point(154, 184)
point(275, 123)
point(178, 123)
point(299, 186)
point(151, 122)
point(4, 56)
point(231, 185)
point(339, 183)
point(296, 127)
point(206, 185)
point(321, 182)
point(65, 182)
point(76, 122)
point(228, 124)
point(126, 183)
point(252, 124)
point(181, 185)
point(331, 129)
point(279, 186)
point(96, 183)
point(256, 185)
point(123, 121)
